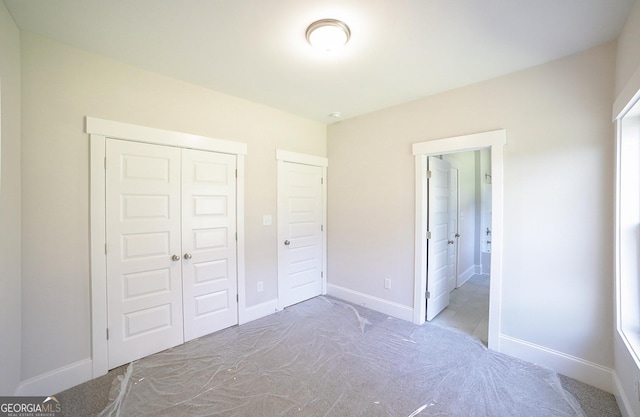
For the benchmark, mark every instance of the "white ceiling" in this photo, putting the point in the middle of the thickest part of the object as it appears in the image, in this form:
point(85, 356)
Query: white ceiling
point(400, 50)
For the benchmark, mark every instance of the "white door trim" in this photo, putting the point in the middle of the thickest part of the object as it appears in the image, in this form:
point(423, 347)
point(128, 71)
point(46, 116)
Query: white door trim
point(301, 158)
point(322, 162)
point(99, 130)
point(495, 141)
point(136, 133)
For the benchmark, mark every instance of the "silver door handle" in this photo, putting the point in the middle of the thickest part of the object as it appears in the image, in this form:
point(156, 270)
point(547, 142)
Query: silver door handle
point(286, 242)
point(451, 242)
point(175, 258)
point(187, 256)
point(457, 235)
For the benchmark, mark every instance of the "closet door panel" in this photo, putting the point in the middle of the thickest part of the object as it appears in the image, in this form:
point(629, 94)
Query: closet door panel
point(208, 242)
point(144, 284)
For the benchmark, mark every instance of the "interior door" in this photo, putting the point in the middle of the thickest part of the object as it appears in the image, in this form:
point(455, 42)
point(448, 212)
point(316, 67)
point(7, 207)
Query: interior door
point(437, 244)
point(142, 250)
point(454, 212)
point(300, 230)
point(208, 242)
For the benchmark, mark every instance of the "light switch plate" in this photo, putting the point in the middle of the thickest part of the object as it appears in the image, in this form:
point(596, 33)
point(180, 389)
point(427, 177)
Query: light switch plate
point(267, 220)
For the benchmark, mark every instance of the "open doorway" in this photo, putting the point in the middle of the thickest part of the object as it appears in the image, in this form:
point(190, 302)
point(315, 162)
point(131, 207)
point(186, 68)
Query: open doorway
point(469, 243)
point(493, 142)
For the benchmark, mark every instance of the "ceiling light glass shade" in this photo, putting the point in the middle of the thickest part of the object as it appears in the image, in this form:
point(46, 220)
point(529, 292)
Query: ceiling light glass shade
point(328, 34)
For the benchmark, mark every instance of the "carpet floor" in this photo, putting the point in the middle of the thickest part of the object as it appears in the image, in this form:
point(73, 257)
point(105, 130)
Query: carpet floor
point(325, 357)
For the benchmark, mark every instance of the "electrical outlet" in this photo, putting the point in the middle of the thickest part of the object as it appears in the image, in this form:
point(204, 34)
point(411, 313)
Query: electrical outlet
point(260, 286)
point(267, 220)
point(387, 283)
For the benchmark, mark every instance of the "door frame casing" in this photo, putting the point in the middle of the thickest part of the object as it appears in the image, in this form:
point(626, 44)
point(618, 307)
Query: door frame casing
point(99, 131)
point(303, 159)
point(494, 141)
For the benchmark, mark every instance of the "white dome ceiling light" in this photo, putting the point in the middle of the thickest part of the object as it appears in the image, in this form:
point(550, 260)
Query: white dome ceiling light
point(328, 34)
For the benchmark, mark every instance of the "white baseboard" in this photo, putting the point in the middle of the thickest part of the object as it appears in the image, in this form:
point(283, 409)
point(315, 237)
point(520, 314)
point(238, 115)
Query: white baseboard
point(378, 304)
point(588, 372)
point(621, 398)
point(259, 311)
point(466, 275)
point(57, 380)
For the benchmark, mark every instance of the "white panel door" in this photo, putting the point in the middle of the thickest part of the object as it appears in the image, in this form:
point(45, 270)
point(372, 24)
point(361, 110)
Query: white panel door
point(143, 246)
point(300, 251)
point(208, 242)
point(437, 244)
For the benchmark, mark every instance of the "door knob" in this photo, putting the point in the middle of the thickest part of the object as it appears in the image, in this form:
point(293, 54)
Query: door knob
point(175, 258)
point(451, 242)
point(187, 256)
point(286, 242)
point(457, 234)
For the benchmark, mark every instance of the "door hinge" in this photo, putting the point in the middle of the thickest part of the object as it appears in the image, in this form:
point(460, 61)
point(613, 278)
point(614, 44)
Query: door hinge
point(105, 162)
point(428, 234)
point(321, 274)
point(321, 180)
point(428, 174)
point(107, 333)
point(236, 173)
point(427, 295)
point(237, 298)
point(236, 236)
point(322, 228)
point(105, 248)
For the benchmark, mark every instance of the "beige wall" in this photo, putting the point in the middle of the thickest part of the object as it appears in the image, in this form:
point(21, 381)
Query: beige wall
point(62, 85)
point(627, 63)
point(10, 285)
point(557, 282)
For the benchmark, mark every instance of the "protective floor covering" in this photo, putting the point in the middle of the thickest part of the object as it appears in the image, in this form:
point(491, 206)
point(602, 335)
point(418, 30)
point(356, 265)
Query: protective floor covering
point(324, 357)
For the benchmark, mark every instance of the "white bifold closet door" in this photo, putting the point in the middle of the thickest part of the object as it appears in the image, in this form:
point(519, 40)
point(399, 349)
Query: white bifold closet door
point(209, 278)
point(171, 246)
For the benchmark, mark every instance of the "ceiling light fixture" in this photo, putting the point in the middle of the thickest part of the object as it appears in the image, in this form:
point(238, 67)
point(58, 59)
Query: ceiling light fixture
point(328, 34)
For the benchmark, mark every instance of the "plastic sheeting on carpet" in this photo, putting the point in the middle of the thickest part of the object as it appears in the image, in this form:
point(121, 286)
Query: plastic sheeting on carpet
point(324, 357)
